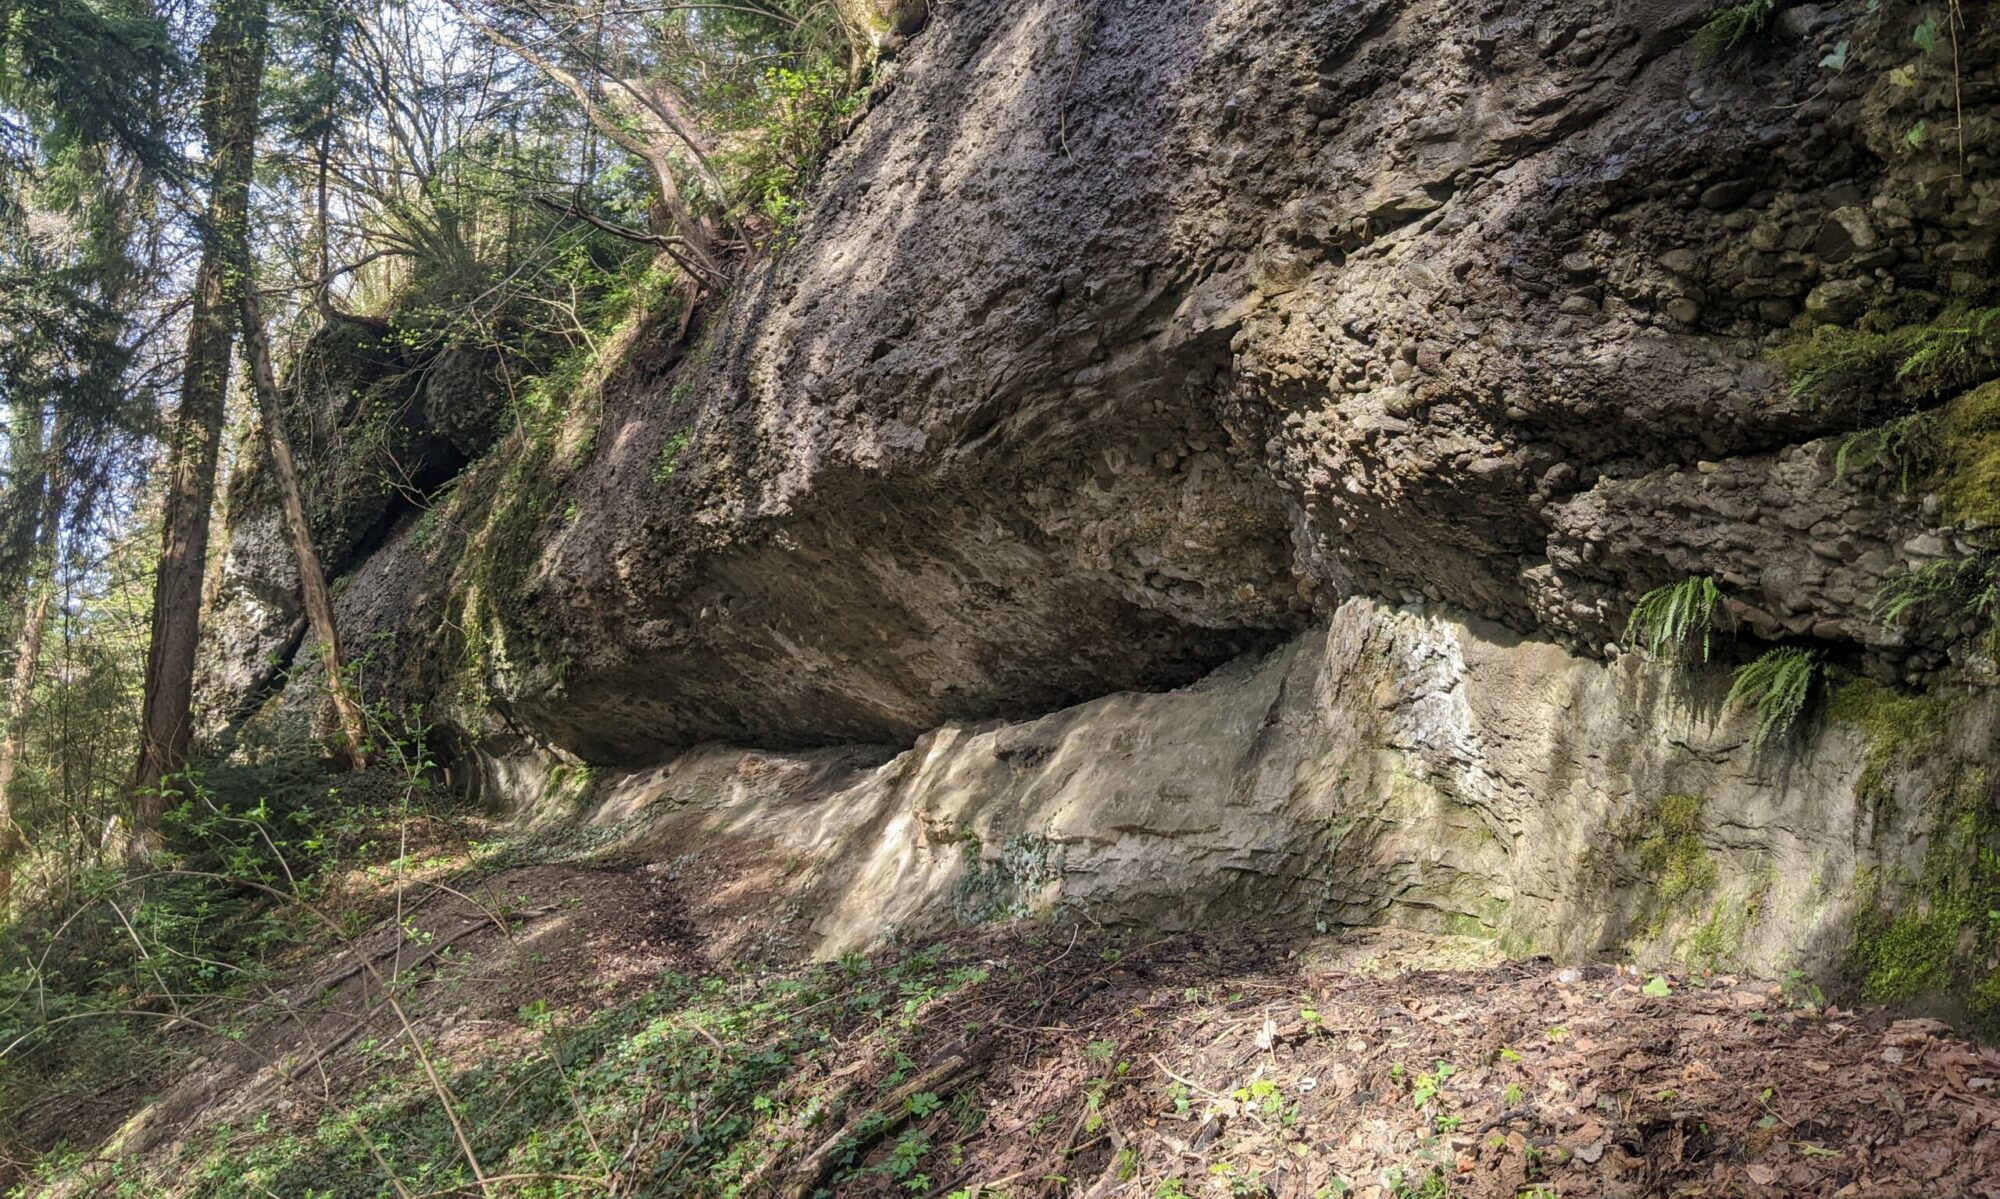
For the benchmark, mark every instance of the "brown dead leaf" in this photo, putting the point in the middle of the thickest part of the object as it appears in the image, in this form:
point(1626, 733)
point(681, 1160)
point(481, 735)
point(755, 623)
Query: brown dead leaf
point(1915, 1031)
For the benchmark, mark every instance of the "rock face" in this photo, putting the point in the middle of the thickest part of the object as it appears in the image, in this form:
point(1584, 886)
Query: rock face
point(1396, 767)
point(1400, 346)
point(1127, 336)
point(375, 428)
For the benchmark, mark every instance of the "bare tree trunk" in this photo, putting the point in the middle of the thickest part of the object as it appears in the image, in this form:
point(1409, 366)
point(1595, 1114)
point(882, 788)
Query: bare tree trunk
point(233, 67)
point(312, 580)
point(40, 587)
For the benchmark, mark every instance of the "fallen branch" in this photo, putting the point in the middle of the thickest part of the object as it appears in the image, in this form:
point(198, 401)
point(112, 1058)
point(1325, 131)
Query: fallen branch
point(884, 1117)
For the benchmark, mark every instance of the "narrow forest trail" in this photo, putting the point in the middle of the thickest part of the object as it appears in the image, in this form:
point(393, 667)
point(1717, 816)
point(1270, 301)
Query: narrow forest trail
point(601, 1034)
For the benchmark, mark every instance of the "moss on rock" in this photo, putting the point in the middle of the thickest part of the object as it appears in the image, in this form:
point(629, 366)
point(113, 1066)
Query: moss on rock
point(1674, 855)
point(506, 504)
point(1897, 726)
point(1937, 936)
point(1967, 475)
point(1925, 355)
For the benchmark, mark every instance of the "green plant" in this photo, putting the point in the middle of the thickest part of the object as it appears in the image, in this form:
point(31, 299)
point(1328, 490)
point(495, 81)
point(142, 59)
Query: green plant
point(1949, 343)
point(1668, 620)
point(1674, 854)
point(1938, 934)
point(1263, 1095)
point(1965, 585)
point(807, 106)
point(1965, 472)
point(1432, 1185)
point(909, 1149)
point(670, 456)
point(1096, 1089)
point(1128, 1164)
point(1780, 684)
point(1908, 443)
point(1243, 1183)
point(1727, 26)
point(1429, 1083)
point(1927, 356)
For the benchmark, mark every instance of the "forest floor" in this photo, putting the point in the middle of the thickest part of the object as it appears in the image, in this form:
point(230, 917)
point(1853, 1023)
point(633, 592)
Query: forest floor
point(594, 1033)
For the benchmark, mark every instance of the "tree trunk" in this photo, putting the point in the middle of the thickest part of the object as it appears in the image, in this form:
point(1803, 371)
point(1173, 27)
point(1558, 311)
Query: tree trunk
point(233, 68)
point(312, 580)
point(40, 587)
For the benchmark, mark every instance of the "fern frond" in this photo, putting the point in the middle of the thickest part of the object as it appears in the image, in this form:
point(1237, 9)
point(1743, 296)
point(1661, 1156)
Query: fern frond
point(1667, 620)
point(1729, 25)
point(1970, 584)
point(1780, 684)
point(1909, 443)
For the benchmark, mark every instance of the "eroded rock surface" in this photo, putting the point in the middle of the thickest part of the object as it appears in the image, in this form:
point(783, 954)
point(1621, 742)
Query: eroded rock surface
point(1130, 341)
point(376, 428)
point(1395, 767)
point(1127, 336)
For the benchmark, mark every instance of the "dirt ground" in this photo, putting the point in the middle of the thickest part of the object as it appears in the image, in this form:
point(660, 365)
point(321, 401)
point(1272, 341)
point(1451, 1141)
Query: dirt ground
point(1250, 1074)
point(1093, 1063)
point(461, 957)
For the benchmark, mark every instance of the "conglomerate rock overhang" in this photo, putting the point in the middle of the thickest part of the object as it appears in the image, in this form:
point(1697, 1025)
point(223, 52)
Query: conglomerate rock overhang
point(1127, 340)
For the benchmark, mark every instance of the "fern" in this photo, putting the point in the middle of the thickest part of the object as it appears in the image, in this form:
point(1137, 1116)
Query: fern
point(1729, 25)
point(1780, 684)
point(1955, 348)
point(1667, 620)
point(1967, 584)
point(1909, 443)
point(1948, 343)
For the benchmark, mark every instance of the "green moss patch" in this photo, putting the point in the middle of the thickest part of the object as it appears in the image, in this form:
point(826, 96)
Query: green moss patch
point(1925, 357)
point(1935, 936)
point(1007, 887)
point(1673, 855)
point(1938, 936)
point(1967, 473)
point(1898, 726)
point(506, 505)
